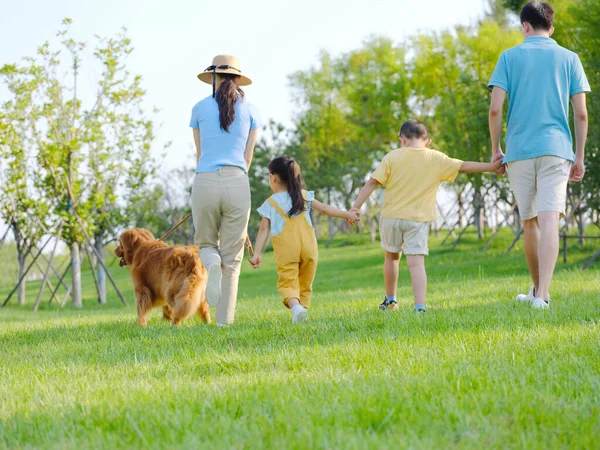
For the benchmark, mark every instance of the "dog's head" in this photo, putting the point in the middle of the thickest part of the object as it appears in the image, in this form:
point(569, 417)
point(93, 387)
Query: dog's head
point(128, 242)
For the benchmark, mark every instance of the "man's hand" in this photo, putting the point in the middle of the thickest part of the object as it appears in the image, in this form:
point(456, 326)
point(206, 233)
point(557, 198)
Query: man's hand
point(577, 172)
point(256, 260)
point(498, 155)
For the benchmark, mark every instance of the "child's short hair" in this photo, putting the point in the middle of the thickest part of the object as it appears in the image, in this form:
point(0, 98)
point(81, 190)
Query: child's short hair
point(538, 14)
point(414, 129)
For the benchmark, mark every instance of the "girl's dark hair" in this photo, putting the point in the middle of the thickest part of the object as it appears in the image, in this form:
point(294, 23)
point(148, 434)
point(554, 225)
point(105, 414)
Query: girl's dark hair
point(226, 96)
point(289, 173)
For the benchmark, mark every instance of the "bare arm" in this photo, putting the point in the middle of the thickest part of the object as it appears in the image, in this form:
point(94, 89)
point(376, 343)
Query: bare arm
point(261, 239)
point(495, 122)
point(250, 144)
point(332, 211)
point(365, 193)
point(581, 130)
point(197, 143)
point(478, 167)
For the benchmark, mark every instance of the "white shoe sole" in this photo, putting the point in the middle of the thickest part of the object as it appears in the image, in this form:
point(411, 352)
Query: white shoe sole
point(213, 288)
point(300, 317)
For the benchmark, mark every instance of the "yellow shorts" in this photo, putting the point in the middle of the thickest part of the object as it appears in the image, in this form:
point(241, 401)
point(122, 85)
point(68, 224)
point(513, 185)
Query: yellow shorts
point(398, 235)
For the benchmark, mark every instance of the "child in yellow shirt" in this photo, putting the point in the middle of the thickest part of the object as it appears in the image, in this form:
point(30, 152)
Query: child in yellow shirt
point(411, 176)
point(287, 215)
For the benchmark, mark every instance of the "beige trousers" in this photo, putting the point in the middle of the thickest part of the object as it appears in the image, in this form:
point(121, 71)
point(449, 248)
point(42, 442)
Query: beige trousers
point(221, 209)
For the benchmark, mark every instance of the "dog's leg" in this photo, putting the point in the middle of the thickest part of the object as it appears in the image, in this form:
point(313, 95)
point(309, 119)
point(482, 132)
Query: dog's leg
point(167, 313)
point(204, 311)
point(143, 302)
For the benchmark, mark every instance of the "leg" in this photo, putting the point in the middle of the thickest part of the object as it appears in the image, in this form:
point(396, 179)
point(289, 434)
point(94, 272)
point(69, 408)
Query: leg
point(288, 284)
point(234, 223)
point(206, 209)
point(531, 239)
point(522, 176)
point(390, 273)
point(204, 310)
point(143, 303)
point(306, 276)
point(418, 276)
point(553, 175)
point(547, 253)
point(167, 313)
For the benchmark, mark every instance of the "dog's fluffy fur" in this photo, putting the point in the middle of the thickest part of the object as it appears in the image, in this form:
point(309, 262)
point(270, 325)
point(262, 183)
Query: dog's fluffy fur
point(171, 277)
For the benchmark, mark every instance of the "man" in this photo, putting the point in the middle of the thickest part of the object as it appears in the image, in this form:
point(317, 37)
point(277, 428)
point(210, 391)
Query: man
point(540, 78)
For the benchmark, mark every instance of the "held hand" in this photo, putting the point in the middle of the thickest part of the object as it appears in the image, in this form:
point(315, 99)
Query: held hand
point(353, 216)
point(256, 260)
point(498, 156)
point(577, 172)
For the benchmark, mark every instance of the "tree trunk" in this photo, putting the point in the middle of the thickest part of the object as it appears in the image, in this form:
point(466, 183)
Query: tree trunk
point(581, 226)
point(330, 224)
point(21, 258)
point(373, 230)
point(20, 244)
point(76, 275)
point(478, 213)
point(99, 244)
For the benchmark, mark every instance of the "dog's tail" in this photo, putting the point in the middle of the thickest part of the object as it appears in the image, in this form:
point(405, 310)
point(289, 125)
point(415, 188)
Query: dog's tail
point(196, 280)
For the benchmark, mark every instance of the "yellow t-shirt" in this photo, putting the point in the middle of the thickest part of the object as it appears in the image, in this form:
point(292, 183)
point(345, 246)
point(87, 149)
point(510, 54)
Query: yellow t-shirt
point(411, 177)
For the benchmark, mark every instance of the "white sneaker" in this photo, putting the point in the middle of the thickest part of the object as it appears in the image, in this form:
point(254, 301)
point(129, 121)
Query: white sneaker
point(540, 303)
point(299, 314)
point(527, 297)
point(213, 287)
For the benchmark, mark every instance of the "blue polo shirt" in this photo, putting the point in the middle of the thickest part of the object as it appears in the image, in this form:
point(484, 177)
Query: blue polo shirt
point(219, 148)
point(540, 77)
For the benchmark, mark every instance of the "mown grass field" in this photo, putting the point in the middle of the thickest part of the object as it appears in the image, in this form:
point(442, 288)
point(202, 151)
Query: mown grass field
point(477, 370)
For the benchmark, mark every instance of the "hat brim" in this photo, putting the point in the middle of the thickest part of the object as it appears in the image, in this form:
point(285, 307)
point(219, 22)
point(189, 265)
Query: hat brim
point(243, 80)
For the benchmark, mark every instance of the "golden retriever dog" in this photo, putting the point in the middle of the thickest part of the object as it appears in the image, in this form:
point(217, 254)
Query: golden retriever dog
point(171, 277)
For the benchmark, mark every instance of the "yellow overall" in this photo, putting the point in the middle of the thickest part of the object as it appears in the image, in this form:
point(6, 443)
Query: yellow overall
point(296, 255)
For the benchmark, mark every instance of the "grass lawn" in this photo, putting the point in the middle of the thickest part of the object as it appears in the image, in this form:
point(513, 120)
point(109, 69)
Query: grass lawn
point(477, 370)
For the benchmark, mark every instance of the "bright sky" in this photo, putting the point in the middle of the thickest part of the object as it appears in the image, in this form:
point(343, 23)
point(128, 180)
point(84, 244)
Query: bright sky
point(176, 39)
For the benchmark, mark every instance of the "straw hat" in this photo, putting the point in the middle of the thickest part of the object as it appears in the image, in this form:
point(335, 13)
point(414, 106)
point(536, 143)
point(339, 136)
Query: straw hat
point(224, 64)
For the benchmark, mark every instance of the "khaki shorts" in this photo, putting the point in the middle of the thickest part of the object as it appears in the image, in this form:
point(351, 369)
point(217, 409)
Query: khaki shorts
point(406, 236)
point(539, 184)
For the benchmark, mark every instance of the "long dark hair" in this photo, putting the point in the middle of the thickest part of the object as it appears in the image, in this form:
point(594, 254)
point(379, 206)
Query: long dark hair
point(289, 173)
point(226, 96)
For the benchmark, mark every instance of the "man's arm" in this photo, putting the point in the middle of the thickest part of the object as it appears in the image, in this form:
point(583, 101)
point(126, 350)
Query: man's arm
point(495, 121)
point(581, 130)
point(365, 193)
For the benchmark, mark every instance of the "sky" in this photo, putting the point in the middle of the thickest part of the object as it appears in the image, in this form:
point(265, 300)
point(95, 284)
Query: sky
point(174, 40)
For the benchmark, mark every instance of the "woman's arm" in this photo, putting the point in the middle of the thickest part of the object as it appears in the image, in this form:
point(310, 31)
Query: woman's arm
point(259, 246)
point(250, 143)
point(197, 142)
point(332, 211)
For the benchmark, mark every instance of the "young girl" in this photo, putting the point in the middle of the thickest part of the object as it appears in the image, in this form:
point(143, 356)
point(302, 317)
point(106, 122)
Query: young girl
point(287, 214)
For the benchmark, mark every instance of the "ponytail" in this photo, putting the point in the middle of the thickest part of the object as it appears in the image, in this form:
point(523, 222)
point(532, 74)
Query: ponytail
point(288, 171)
point(226, 96)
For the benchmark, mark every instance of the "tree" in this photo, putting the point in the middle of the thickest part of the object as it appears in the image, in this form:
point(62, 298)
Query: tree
point(86, 157)
point(451, 71)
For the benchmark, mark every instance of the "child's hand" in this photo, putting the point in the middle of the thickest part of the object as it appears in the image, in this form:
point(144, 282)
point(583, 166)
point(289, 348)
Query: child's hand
point(353, 216)
point(498, 167)
point(256, 260)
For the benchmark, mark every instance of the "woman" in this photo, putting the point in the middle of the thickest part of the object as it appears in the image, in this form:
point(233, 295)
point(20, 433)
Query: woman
point(225, 129)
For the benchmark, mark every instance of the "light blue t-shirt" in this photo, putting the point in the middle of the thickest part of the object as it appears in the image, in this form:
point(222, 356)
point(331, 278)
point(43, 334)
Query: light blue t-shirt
point(540, 77)
point(284, 201)
point(219, 148)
